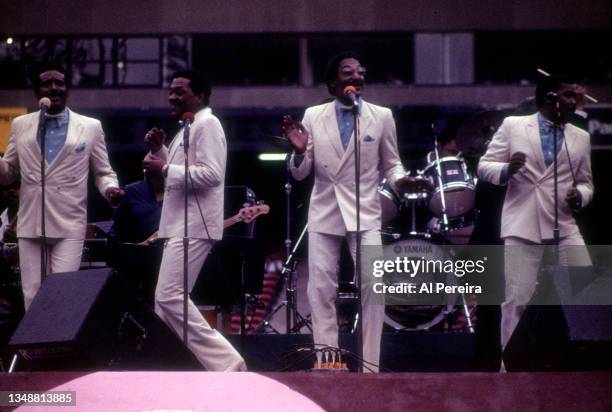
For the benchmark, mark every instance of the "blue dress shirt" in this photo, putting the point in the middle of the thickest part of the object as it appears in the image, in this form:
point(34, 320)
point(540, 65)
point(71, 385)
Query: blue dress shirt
point(346, 121)
point(55, 136)
point(547, 139)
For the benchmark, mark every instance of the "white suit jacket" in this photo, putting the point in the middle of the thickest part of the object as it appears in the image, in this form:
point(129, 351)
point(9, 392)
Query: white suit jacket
point(65, 178)
point(207, 159)
point(332, 202)
point(528, 211)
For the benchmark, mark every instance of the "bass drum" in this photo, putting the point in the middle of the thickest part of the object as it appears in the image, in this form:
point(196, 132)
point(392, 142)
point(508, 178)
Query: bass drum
point(418, 313)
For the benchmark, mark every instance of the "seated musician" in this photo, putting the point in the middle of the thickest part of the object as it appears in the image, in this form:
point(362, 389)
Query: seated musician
point(135, 222)
point(446, 145)
point(137, 217)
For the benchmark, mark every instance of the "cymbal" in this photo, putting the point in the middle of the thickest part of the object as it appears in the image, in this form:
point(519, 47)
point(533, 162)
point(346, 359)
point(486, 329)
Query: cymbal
point(475, 131)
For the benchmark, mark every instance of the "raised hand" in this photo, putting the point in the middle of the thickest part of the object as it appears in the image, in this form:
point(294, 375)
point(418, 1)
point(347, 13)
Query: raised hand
point(296, 133)
point(154, 139)
point(153, 164)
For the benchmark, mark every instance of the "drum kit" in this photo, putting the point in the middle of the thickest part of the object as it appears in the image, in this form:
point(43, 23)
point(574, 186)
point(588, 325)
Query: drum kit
point(438, 207)
point(418, 219)
point(420, 211)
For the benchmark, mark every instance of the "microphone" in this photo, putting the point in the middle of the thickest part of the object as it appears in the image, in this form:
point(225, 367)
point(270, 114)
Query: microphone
point(187, 118)
point(44, 104)
point(350, 92)
point(186, 121)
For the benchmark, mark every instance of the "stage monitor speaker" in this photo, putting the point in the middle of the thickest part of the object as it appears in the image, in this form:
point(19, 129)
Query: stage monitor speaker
point(564, 335)
point(94, 319)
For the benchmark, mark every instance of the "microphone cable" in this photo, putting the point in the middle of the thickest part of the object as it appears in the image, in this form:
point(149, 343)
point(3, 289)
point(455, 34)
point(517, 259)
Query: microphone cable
point(569, 159)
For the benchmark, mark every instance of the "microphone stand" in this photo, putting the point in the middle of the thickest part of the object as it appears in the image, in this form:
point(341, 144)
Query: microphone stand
point(294, 320)
point(290, 290)
point(42, 131)
point(186, 129)
point(556, 230)
point(358, 234)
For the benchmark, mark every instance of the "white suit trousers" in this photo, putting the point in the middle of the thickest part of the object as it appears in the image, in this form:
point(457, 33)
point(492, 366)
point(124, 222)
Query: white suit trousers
point(207, 344)
point(522, 261)
point(63, 255)
point(323, 264)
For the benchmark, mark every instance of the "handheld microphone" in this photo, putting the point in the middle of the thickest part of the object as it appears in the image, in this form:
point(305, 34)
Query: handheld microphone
point(350, 92)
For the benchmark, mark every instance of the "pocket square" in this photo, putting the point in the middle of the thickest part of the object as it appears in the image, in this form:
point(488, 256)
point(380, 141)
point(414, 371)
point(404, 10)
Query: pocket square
point(368, 138)
point(80, 148)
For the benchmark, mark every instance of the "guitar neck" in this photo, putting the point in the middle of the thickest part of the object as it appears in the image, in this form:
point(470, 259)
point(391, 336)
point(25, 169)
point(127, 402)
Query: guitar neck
point(231, 221)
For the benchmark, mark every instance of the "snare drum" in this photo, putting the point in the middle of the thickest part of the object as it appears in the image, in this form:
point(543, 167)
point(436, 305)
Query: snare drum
point(458, 184)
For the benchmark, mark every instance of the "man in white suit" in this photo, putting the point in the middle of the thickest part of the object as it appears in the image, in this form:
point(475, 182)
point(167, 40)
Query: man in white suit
point(324, 141)
point(72, 143)
point(521, 156)
point(190, 92)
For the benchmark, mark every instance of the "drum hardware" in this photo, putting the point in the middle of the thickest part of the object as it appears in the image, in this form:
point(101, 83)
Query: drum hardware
point(390, 233)
point(460, 228)
point(420, 196)
point(294, 320)
point(412, 199)
point(444, 225)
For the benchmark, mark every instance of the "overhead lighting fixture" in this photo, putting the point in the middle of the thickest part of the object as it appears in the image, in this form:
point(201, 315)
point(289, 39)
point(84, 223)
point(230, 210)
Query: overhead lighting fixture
point(9, 40)
point(272, 157)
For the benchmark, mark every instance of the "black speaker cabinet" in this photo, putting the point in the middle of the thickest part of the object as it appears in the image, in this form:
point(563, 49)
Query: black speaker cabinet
point(573, 331)
point(94, 319)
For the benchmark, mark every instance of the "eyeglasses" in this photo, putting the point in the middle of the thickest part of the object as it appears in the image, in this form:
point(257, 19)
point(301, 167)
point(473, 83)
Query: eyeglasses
point(360, 71)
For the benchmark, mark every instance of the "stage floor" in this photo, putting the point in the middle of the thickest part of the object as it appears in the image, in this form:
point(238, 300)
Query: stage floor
point(303, 391)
